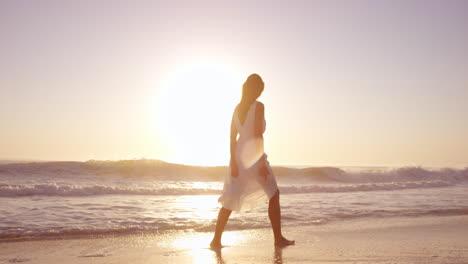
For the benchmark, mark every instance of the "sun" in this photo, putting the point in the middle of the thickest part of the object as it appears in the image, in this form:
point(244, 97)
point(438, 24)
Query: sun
point(194, 111)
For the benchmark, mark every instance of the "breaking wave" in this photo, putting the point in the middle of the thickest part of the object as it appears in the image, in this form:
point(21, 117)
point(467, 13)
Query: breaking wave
point(170, 171)
point(54, 189)
point(66, 178)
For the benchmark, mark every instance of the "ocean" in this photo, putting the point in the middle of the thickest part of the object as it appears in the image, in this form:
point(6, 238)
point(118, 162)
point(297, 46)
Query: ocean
point(42, 200)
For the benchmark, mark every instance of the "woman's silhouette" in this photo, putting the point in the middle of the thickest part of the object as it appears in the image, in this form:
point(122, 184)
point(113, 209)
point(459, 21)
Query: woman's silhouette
point(251, 181)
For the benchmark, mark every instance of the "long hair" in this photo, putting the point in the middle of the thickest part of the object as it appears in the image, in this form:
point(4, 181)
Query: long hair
point(251, 90)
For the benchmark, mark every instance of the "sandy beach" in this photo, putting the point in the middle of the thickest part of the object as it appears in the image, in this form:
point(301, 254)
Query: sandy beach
point(397, 240)
point(132, 130)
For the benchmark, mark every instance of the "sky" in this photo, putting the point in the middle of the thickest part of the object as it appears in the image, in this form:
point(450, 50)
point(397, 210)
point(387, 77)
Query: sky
point(347, 83)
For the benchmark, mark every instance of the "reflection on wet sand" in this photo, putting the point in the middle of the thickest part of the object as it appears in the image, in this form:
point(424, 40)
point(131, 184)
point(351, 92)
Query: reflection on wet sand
point(278, 256)
point(194, 247)
point(219, 257)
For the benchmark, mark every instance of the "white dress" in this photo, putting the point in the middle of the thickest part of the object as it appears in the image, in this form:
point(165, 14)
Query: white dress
point(249, 189)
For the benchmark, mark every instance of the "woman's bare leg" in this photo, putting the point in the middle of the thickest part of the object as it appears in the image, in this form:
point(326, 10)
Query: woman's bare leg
point(223, 217)
point(274, 213)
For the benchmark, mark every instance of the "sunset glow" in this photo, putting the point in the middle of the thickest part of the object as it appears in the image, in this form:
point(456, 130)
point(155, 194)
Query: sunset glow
point(194, 109)
point(346, 83)
point(299, 131)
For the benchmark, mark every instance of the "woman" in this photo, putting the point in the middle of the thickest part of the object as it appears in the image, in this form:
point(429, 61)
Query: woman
point(251, 181)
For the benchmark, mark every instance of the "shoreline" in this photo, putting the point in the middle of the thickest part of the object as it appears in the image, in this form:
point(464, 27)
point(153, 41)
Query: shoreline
point(432, 239)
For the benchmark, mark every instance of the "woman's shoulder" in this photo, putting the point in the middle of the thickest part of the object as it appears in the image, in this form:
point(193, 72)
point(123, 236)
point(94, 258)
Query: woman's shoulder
point(236, 108)
point(259, 110)
point(260, 105)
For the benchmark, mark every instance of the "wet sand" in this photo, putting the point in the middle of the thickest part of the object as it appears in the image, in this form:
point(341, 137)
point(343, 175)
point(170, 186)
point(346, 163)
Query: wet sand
point(393, 240)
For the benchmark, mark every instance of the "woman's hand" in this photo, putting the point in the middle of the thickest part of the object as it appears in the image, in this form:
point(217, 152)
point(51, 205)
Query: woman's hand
point(263, 168)
point(234, 170)
point(264, 172)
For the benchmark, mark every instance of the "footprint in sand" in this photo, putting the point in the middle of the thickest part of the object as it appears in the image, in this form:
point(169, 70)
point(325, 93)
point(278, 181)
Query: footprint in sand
point(17, 260)
point(94, 256)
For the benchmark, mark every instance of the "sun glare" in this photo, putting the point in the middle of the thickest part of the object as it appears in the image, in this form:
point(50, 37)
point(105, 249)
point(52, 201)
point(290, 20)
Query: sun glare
point(194, 111)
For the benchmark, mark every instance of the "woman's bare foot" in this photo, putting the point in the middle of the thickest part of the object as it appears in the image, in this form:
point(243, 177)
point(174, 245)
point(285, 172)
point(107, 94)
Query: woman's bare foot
point(215, 245)
point(283, 242)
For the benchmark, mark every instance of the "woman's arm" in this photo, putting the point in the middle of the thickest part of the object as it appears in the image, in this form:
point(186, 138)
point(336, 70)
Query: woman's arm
point(232, 163)
point(259, 117)
point(258, 133)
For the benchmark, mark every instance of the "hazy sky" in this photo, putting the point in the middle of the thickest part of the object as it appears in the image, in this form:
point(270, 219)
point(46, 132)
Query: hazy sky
point(346, 82)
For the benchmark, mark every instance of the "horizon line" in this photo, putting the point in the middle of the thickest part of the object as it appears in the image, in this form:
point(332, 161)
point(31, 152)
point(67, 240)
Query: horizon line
point(296, 165)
